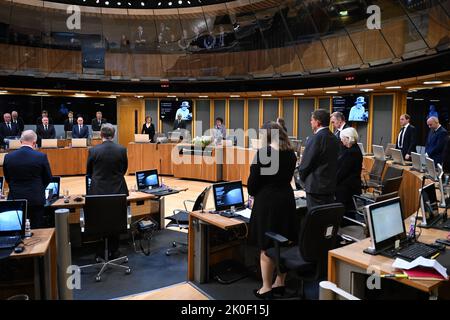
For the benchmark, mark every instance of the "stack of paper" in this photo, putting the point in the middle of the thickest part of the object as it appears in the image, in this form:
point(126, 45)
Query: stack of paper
point(422, 269)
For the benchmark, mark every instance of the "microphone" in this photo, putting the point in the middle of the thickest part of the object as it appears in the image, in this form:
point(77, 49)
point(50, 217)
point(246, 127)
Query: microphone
point(381, 141)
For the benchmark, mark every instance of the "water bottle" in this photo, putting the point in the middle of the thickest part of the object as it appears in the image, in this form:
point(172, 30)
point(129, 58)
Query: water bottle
point(250, 202)
point(27, 228)
point(412, 227)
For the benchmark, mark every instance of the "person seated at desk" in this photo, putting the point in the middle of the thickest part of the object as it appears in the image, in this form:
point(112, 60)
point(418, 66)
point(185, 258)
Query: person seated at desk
point(7, 128)
point(80, 130)
point(18, 121)
point(148, 128)
point(45, 131)
point(179, 123)
point(220, 132)
point(349, 167)
point(274, 202)
point(98, 121)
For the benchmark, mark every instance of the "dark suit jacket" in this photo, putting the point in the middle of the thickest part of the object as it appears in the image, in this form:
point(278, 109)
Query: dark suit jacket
point(337, 133)
point(28, 173)
point(349, 175)
point(409, 141)
point(69, 126)
point(446, 156)
point(19, 123)
point(179, 125)
point(150, 131)
point(435, 144)
point(6, 132)
point(319, 163)
point(107, 164)
point(39, 120)
point(43, 134)
point(95, 125)
point(77, 134)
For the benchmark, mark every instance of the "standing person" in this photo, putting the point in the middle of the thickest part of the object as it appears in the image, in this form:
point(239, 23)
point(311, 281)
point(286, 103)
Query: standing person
point(436, 140)
point(148, 128)
point(349, 162)
point(45, 131)
point(107, 165)
point(319, 162)
point(339, 124)
point(179, 123)
point(43, 114)
point(68, 123)
point(98, 121)
point(80, 130)
point(18, 121)
point(406, 139)
point(274, 202)
point(7, 128)
point(28, 173)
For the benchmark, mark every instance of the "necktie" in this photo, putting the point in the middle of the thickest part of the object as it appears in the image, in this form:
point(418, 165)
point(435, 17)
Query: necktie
point(338, 134)
point(79, 129)
point(9, 126)
point(400, 139)
point(45, 128)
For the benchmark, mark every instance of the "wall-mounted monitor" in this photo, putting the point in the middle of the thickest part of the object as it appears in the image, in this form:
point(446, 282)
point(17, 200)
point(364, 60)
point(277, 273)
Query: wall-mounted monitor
point(170, 109)
point(354, 107)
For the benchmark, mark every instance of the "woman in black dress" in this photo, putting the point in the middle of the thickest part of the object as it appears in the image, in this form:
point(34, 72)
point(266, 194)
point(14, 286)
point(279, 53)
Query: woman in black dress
point(349, 169)
point(148, 128)
point(274, 203)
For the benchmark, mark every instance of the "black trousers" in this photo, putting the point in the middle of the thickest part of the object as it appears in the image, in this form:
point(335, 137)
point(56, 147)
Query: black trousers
point(314, 200)
point(36, 216)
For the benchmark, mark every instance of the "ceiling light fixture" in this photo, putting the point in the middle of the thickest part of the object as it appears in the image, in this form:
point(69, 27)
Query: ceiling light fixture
point(266, 95)
point(366, 90)
point(42, 92)
point(433, 82)
point(3, 91)
point(435, 100)
point(299, 94)
point(394, 87)
point(235, 96)
point(171, 96)
point(331, 92)
point(203, 96)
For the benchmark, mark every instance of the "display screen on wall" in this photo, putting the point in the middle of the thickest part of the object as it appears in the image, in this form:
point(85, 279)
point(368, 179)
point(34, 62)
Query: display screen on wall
point(170, 109)
point(354, 107)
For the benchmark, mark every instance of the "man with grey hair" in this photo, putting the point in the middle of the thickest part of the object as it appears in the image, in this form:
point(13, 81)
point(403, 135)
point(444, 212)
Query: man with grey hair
point(7, 128)
point(436, 140)
point(18, 121)
point(28, 173)
point(338, 121)
point(106, 166)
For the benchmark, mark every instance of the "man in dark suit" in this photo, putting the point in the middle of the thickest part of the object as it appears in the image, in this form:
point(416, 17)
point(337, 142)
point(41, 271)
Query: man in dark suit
point(69, 122)
point(44, 113)
point(319, 162)
point(179, 123)
point(436, 140)
point(338, 121)
point(80, 130)
point(406, 139)
point(45, 131)
point(28, 173)
point(106, 165)
point(18, 121)
point(7, 128)
point(98, 121)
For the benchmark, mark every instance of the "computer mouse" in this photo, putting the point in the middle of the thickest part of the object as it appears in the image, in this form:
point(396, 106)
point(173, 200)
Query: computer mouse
point(18, 249)
point(78, 199)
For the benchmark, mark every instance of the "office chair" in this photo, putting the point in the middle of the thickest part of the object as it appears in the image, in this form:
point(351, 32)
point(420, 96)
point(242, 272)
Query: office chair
point(103, 216)
point(180, 219)
point(317, 235)
point(392, 172)
point(375, 175)
point(387, 186)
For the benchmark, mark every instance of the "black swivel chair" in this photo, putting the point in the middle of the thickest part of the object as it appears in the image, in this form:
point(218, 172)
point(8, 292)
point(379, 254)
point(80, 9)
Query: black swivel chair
point(375, 174)
point(318, 234)
point(180, 219)
point(103, 216)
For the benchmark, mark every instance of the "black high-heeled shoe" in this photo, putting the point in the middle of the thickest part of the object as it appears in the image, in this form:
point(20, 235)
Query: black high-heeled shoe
point(265, 296)
point(279, 291)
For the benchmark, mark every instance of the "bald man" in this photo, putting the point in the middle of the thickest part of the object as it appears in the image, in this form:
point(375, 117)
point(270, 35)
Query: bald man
point(436, 140)
point(7, 128)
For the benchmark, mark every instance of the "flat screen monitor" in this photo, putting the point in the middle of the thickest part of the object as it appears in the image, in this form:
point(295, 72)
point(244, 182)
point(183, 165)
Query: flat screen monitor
point(227, 195)
point(170, 109)
point(355, 108)
point(12, 217)
point(147, 179)
point(429, 203)
point(53, 189)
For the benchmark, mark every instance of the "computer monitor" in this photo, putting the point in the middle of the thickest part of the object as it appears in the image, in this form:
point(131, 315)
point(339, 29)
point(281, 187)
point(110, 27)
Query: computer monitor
point(431, 169)
point(361, 147)
point(389, 148)
point(96, 135)
point(417, 164)
point(53, 189)
point(227, 195)
point(397, 156)
point(79, 143)
point(147, 179)
point(88, 181)
point(256, 143)
point(141, 138)
point(14, 144)
point(385, 223)
point(378, 152)
point(12, 217)
point(429, 204)
point(49, 143)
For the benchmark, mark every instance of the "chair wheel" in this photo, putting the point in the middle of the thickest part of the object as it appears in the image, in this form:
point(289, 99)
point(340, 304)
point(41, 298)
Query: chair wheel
point(98, 278)
point(128, 271)
point(125, 260)
point(174, 244)
point(167, 253)
point(97, 260)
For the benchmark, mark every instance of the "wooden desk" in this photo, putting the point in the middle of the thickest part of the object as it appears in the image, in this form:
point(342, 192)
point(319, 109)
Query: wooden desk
point(179, 291)
point(345, 261)
point(67, 161)
point(142, 156)
point(41, 247)
point(237, 162)
point(199, 257)
point(199, 165)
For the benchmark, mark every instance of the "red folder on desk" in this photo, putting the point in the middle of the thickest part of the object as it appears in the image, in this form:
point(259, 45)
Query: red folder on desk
point(423, 273)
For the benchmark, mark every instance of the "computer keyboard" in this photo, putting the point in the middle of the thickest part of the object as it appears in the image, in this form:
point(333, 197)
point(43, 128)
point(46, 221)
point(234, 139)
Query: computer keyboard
point(415, 250)
point(155, 190)
point(9, 242)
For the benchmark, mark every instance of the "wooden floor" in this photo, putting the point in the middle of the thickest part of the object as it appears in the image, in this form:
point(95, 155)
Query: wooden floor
point(76, 185)
point(181, 291)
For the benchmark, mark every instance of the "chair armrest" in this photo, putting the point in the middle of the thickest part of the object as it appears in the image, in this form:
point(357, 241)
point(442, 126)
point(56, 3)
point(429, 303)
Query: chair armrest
point(276, 237)
point(354, 221)
point(185, 202)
